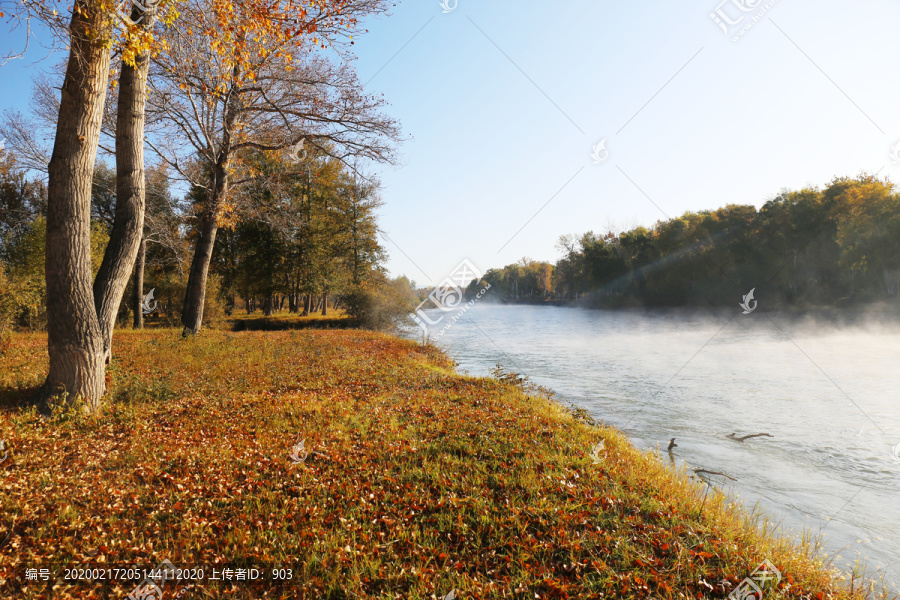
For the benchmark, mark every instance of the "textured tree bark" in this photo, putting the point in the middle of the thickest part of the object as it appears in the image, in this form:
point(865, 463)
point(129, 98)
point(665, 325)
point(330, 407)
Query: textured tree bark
point(195, 295)
point(138, 294)
point(74, 337)
point(128, 227)
point(325, 304)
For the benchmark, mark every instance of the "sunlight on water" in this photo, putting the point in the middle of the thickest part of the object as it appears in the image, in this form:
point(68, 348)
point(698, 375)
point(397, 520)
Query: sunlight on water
point(828, 395)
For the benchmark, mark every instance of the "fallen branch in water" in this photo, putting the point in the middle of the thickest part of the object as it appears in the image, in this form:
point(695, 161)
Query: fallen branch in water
point(698, 471)
point(734, 437)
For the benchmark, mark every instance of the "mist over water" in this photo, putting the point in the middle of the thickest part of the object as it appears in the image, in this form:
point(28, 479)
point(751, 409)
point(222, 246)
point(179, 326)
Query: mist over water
point(829, 394)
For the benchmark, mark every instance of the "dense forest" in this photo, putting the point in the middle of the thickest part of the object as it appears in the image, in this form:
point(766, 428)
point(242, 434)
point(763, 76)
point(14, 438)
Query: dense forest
point(830, 246)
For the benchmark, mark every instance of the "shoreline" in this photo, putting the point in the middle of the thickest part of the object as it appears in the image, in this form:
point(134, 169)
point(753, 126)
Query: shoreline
point(420, 480)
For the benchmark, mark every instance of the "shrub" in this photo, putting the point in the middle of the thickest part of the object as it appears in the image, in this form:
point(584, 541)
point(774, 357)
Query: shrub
point(382, 306)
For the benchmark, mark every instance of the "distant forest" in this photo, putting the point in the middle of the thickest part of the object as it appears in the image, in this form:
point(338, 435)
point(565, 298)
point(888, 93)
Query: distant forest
point(831, 246)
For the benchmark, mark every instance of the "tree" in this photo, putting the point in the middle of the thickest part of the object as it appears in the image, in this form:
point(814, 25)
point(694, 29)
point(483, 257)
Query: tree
point(357, 243)
point(21, 201)
point(81, 310)
point(75, 337)
point(22, 210)
point(221, 91)
point(310, 235)
point(161, 230)
point(128, 225)
point(79, 313)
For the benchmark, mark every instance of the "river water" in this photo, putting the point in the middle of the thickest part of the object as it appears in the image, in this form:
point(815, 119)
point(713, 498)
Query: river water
point(830, 396)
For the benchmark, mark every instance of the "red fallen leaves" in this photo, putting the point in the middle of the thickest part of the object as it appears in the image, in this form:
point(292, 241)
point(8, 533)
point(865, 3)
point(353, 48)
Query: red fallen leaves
point(421, 484)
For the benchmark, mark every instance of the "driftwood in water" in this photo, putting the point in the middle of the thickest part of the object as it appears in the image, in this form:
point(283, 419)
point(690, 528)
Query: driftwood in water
point(734, 437)
point(698, 471)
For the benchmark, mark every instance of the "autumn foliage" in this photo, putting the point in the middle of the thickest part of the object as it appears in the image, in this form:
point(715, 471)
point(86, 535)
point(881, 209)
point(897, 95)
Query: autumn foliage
point(419, 481)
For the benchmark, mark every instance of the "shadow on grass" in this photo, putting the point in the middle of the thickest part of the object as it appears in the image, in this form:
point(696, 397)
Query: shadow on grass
point(276, 324)
point(15, 399)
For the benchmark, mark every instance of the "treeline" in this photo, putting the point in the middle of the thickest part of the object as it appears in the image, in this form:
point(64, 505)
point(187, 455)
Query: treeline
point(306, 242)
point(310, 241)
point(815, 246)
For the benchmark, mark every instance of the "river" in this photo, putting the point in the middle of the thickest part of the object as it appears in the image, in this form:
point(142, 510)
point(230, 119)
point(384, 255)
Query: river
point(829, 395)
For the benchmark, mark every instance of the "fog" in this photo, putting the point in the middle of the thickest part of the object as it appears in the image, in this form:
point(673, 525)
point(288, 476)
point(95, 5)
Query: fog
point(824, 385)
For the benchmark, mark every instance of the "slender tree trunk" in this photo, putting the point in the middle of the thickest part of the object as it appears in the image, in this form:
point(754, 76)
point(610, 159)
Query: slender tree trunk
point(195, 295)
point(128, 227)
point(325, 304)
point(138, 294)
point(74, 336)
point(307, 301)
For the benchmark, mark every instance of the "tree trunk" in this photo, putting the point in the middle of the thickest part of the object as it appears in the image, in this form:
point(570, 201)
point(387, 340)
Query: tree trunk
point(307, 301)
point(195, 295)
point(138, 294)
point(325, 304)
point(74, 336)
point(128, 227)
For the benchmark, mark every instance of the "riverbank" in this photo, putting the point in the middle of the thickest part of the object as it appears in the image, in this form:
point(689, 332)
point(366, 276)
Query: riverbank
point(412, 481)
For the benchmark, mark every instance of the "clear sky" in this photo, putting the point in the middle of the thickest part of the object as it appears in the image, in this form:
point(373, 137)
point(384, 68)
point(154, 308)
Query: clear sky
point(504, 101)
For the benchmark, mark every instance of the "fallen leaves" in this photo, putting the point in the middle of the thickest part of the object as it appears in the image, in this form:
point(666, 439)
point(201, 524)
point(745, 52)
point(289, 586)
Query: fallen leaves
point(416, 478)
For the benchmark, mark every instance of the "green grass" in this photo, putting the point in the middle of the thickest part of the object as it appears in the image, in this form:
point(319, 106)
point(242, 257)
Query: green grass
point(420, 481)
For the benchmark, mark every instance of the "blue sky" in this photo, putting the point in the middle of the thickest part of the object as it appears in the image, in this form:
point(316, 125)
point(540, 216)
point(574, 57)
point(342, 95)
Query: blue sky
point(503, 103)
point(692, 119)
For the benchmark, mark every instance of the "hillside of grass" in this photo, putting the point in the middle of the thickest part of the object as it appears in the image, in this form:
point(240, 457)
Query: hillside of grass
point(413, 481)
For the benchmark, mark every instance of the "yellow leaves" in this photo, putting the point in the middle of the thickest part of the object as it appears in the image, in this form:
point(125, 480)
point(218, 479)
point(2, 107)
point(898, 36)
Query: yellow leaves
point(171, 16)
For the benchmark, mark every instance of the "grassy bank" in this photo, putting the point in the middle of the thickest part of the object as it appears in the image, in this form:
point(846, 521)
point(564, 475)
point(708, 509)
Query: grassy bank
point(417, 481)
point(283, 320)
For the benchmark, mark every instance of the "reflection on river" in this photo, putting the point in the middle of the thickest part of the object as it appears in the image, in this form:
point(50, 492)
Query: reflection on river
point(828, 395)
